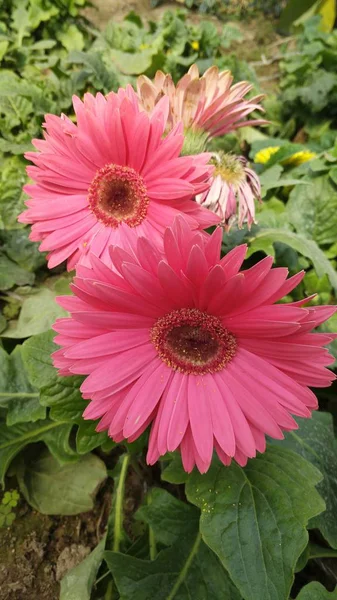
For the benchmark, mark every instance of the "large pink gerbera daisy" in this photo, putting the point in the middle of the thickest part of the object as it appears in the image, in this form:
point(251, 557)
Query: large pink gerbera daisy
point(209, 103)
point(110, 174)
point(185, 342)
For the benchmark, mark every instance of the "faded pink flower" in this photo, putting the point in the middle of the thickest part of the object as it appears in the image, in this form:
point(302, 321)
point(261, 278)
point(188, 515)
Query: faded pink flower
point(208, 103)
point(233, 191)
point(184, 342)
point(108, 176)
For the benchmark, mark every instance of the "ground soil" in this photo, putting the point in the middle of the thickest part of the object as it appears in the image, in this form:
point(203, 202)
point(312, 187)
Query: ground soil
point(37, 550)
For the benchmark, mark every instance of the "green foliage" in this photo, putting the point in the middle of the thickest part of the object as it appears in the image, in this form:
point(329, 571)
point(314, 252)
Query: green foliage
point(242, 518)
point(309, 82)
point(315, 591)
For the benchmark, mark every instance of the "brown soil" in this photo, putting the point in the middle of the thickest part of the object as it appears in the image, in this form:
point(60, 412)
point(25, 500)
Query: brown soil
point(37, 550)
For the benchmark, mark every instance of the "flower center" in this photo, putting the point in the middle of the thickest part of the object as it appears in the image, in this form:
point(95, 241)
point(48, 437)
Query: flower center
point(118, 194)
point(230, 168)
point(191, 341)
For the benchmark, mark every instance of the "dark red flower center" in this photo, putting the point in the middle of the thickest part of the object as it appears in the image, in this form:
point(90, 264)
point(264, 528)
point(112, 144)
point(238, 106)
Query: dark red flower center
point(118, 194)
point(191, 341)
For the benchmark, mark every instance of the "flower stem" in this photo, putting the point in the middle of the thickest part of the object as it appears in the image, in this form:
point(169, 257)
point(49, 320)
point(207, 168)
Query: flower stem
point(152, 539)
point(119, 503)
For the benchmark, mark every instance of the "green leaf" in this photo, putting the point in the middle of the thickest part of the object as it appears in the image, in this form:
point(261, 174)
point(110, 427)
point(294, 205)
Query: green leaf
point(255, 518)
point(186, 570)
point(11, 274)
point(315, 591)
point(87, 437)
point(55, 489)
point(267, 237)
point(312, 210)
point(175, 472)
point(39, 311)
point(133, 64)
point(315, 441)
point(21, 398)
point(15, 438)
point(78, 582)
point(71, 38)
point(61, 394)
point(271, 178)
point(169, 518)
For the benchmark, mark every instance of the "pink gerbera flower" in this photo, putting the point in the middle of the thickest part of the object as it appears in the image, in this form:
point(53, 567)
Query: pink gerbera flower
point(185, 342)
point(208, 103)
point(234, 189)
point(110, 174)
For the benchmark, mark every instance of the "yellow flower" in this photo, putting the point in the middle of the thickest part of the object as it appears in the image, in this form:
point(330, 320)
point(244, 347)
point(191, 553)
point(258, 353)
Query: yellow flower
point(143, 46)
point(195, 45)
point(264, 155)
point(299, 158)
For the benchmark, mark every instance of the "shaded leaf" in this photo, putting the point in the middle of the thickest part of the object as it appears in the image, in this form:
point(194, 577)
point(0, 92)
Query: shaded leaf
point(55, 489)
point(15, 438)
point(315, 591)
point(169, 518)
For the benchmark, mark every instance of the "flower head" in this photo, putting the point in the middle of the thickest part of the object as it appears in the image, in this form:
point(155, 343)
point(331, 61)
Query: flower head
point(110, 175)
point(210, 103)
point(299, 158)
point(263, 156)
point(234, 188)
point(184, 342)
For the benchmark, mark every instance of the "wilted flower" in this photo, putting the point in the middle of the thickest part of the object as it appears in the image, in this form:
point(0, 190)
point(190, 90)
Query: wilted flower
point(233, 191)
point(109, 176)
point(186, 343)
point(210, 103)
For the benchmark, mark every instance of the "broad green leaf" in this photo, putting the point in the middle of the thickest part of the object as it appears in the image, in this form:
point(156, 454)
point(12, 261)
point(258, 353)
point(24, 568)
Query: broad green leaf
point(87, 437)
point(312, 210)
point(55, 489)
point(315, 441)
point(169, 518)
point(265, 238)
point(255, 518)
point(39, 311)
point(133, 64)
point(188, 569)
point(13, 439)
point(21, 399)
point(71, 38)
point(315, 591)
point(61, 394)
point(78, 582)
point(11, 274)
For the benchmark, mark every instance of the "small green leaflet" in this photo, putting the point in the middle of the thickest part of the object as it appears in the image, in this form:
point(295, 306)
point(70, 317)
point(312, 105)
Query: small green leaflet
point(315, 591)
point(78, 582)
